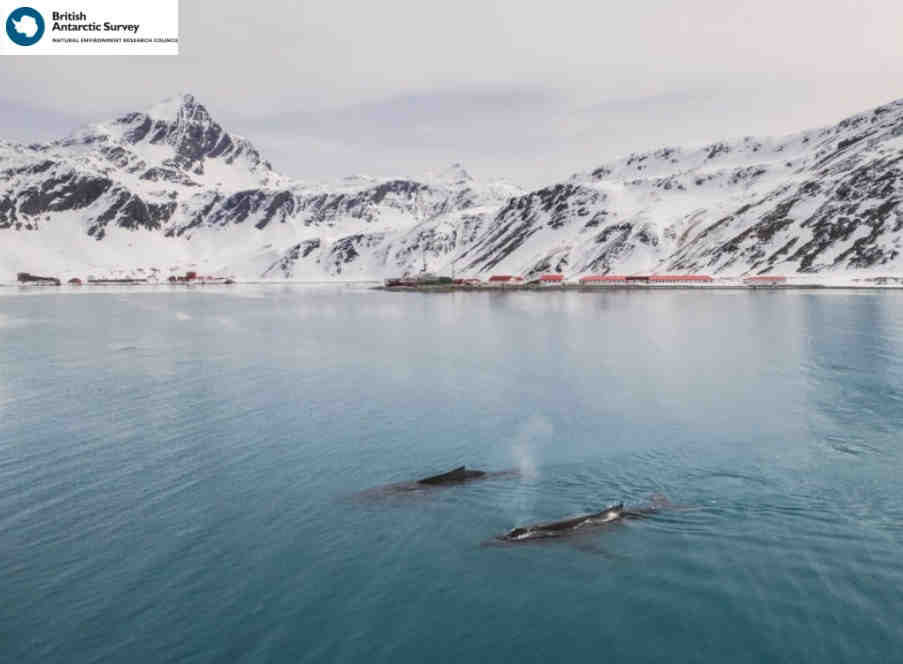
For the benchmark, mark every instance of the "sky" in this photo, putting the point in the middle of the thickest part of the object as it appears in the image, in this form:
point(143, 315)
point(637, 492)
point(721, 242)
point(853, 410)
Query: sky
point(520, 90)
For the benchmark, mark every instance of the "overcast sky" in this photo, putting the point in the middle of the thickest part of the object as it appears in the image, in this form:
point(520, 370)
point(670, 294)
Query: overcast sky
point(528, 91)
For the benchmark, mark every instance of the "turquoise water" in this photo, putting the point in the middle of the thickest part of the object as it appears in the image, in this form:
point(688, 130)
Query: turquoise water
point(179, 470)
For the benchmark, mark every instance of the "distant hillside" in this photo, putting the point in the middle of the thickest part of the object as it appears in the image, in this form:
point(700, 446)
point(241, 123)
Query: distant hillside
point(170, 189)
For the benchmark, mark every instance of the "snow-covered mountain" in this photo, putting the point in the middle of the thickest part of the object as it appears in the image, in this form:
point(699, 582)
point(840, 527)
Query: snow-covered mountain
point(170, 189)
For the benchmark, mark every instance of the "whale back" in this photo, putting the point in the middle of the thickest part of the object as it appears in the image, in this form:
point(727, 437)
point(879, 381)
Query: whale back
point(459, 474)
point(564, 526)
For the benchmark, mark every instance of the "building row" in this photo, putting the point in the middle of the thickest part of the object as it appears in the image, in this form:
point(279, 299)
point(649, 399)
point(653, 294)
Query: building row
point(187, 278)
point(625, 280)
point(551, 280)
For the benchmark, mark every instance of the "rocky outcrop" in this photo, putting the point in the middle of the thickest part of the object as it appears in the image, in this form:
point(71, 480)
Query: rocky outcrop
point(824, 200)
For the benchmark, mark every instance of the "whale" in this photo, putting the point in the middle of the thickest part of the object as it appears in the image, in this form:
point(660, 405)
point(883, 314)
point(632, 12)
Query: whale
point(564, 527)
point(454, 477)
point(581, 524)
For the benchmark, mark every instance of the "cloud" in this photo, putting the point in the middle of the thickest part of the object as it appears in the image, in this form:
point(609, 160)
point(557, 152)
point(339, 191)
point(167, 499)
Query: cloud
point(510, 87)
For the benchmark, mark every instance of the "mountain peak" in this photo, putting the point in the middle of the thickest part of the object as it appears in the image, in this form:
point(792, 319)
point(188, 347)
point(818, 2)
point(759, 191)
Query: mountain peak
point(176, 133)
point(173, 108)
point(455, 174)
point(823, 200)
point(179, 110)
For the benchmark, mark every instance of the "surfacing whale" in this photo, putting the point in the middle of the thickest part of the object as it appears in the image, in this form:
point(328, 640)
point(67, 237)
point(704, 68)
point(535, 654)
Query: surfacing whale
point(454, 477)
point(578, 525)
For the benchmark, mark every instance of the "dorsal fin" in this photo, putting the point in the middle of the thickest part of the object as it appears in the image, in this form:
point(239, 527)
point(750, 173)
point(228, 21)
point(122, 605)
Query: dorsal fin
point(455, 475)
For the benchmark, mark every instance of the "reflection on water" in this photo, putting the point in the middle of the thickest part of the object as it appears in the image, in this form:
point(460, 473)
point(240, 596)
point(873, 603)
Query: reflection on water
point(179, 473)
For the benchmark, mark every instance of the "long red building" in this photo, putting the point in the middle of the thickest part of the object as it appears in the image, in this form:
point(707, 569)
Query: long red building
point(505, 279)
point(680, 279)
point(661, 279)
point(603, 279)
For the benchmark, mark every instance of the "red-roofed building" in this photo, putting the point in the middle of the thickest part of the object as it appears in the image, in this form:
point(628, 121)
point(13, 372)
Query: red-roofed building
point(765, 280)
point(603, 280)
point(504, 279)
point(551, 280)
point(681, 279)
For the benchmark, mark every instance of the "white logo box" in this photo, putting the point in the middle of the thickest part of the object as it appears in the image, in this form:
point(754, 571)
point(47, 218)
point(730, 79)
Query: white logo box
point(94, 27)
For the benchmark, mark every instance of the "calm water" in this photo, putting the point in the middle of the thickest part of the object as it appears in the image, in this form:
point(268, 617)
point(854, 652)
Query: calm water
point(178, 470)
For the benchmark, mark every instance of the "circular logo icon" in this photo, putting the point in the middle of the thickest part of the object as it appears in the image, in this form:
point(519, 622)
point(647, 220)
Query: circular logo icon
point(25, 26)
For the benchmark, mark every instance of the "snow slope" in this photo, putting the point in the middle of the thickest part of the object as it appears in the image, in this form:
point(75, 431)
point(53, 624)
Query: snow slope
point(169, 189)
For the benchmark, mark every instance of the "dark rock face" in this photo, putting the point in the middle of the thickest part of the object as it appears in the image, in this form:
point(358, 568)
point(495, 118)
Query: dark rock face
point(855, 206)
point(193, 135)
point(402, 195)
point(281, 206)
point(168, 175)
point(7, 212)
point(90, 172)
point(238, 207)
point(130, 212)
point(59, 194)
point(285, 265)
point(829, 199)
point(347, 250)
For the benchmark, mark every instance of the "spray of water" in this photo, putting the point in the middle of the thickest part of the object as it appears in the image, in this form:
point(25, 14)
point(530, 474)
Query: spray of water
point(525, 451)
point(525, 444)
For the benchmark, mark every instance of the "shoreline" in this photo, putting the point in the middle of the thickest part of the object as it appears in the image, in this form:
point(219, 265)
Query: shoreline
point(631, 288)
point(376, 286)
